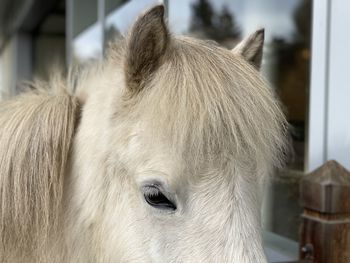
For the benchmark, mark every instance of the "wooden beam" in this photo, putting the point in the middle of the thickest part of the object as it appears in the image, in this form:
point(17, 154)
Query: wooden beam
point(325, 226)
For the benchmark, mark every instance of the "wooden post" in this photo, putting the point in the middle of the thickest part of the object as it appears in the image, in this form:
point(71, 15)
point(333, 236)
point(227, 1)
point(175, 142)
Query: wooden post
point(325, 222)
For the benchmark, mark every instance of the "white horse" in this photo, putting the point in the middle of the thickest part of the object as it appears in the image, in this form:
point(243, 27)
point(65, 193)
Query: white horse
point(160, 155)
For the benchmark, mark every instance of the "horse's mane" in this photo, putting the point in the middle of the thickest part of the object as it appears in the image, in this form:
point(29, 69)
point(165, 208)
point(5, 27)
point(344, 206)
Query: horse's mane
point(209, 101)
point(36, 130)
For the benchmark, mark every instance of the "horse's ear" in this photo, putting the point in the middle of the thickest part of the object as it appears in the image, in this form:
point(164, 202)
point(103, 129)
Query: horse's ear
point(251, 48)
point(146, 46)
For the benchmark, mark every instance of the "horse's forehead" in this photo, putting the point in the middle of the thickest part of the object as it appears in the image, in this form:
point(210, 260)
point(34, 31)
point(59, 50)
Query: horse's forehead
point(155, 159)
point(151, 153)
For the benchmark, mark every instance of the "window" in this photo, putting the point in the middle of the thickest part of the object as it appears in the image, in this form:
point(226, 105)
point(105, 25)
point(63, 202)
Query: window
point(96, 22)
point(121, 14)
point(86, 31)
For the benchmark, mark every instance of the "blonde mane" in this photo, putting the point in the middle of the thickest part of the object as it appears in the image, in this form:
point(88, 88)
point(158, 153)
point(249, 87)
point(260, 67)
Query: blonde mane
point(36, 130)
point(213, 104)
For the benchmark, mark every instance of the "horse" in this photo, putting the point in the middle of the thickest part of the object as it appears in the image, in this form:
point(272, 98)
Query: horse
point(158, 153)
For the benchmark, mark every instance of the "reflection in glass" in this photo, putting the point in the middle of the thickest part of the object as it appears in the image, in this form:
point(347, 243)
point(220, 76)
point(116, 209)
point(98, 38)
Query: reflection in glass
point(87, 31)
point(2, 84)
point(112, 5)
point(218, 25)
point(85, 14)
point(88, 44)
point(91, 35)
point(121, 14)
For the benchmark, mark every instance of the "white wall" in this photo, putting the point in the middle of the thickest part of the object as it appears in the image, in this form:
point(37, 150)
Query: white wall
point(329, 112)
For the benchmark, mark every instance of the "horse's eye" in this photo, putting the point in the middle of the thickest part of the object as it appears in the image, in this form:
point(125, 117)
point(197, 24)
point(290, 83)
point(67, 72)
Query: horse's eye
point(154, 197)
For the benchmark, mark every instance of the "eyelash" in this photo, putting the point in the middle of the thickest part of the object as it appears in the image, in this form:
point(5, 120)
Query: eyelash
point(155, 198)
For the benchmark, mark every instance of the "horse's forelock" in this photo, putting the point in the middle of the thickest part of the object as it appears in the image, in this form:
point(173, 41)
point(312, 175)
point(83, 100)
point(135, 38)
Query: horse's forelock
point(36, 131)
point(214, 104)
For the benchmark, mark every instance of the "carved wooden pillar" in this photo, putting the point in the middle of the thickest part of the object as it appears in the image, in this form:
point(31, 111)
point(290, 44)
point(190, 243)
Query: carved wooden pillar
point(325, 226)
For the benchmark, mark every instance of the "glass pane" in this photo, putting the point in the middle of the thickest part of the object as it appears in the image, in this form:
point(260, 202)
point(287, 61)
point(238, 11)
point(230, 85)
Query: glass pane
point(85, 15)
point(217, 20)
point(285, 64)
point(121, 14)
point(87, 31)
point(49, 43)
point(3, 74)
point(111, 5)
point(7, 67)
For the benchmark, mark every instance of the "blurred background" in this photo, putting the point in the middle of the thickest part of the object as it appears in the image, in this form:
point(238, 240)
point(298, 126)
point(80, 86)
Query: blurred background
point(304, 59)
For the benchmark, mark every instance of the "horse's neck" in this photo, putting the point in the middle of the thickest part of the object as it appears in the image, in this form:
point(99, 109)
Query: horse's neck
point(83, 183)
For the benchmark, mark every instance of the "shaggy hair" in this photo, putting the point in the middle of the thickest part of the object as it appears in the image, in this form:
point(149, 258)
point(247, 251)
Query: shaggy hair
point(212, 105)
point(36, 130)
